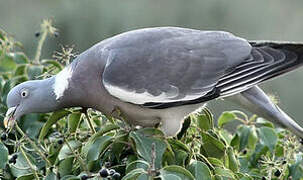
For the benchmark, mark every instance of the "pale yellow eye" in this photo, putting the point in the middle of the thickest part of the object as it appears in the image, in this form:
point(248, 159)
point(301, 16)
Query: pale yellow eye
point(24, 93)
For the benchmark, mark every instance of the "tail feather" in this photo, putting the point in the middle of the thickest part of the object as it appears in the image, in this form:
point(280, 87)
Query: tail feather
point(256, 101)
point(268, 60)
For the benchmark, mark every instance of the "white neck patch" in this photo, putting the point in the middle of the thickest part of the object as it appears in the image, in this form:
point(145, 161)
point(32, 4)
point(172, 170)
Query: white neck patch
point(61, 81)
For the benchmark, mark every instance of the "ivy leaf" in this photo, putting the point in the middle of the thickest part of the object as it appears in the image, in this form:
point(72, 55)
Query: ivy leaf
point(224, 172)
point(7, 63)
point(20, 58)
point(233, 163)
point(52, 62)
point(268, 137)
point(144, 146)
point(21, 166)
point(97, 148)
point(136, 165)
point(200, 170)
point(33, 71)
point(4, 155)
point(51, 176)
point(225, 118)
point(56, 116)
point(66, 166)
point(26, 177)
point(177, 171)
point(73, 121)
point(212, 146)
point(134, 174)
point(243, 133)
point(65, 151)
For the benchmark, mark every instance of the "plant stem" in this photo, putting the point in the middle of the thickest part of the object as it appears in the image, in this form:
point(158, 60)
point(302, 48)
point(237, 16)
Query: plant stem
point(29, 163)
point(89, 122)
point(77, 156)
point(33, 144)
point(39, 47)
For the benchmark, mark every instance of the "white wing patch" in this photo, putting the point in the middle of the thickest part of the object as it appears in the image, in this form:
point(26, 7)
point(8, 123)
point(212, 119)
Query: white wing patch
point(61, 81)
point(141, 98)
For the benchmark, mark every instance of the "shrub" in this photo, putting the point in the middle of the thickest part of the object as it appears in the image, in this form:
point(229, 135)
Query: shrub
point(62, 145)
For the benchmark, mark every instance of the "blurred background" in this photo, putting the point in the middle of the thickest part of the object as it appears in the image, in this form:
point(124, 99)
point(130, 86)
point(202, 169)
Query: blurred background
point(84, 23)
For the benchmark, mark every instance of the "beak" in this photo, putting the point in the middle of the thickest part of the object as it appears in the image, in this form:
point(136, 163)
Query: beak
point(9, 119)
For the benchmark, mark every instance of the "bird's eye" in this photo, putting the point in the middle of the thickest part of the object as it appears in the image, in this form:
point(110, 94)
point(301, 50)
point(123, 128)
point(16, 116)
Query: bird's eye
point(24, 93)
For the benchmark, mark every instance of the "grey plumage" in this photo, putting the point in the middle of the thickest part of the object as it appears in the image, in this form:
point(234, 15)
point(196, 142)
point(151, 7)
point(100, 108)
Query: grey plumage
point(160, 75)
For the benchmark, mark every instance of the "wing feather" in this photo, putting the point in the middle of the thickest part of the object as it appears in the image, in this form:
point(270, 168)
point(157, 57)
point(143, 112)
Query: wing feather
point(170, 65)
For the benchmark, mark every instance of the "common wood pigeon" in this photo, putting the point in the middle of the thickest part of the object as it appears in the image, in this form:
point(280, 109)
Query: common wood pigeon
point(161, 75)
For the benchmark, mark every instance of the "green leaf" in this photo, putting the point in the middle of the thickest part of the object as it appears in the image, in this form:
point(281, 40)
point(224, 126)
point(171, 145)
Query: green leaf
point(225, 118)
point(268, 137)
point(252, 138)
point(200, 170)
point(170, 177)
point(20, 70)
point(263, 122)
point(56, 116)
point(97, 148)
point(144, 145)
point(21, 167)
point(70, 177)
point(233, 163)
point(105, 129)
point(136, 165)
point(66, 152)
point(4, 155)
point(180, 157)
point(5, 90)
point(33, 71)
point(177, 171)
point(296, 170)
point(243, 133)
point(134, 174)
point(176, 144)
point(119, 144)
point(212, 146)
point(31, 125)
point(52, 62)
point(26, 177)
point(73, 121)
point(66, 166)
point(203, 121)
point(260, 150)
point(20, 58)
point(7, 64)
point(224, 172)
point(51, 176)
point(215, 162)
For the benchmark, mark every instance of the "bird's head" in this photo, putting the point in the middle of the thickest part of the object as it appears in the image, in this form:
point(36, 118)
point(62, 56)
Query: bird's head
point(30, 97)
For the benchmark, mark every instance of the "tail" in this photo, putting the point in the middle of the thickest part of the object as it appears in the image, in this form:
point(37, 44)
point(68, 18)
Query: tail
point(257, 102)
point(267, 61)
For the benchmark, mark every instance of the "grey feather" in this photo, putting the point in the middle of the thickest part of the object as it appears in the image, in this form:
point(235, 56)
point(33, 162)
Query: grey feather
point(182, 64)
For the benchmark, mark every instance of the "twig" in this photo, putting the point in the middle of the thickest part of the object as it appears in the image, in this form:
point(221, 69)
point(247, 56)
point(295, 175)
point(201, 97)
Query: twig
point(89, 122)
point(39, 47)
point(152, 169)
point(33, 144)
point(77, 156)
point(29, 163)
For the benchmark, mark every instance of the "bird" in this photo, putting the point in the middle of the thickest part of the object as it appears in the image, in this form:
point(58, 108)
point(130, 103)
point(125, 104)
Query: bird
point(157, 76)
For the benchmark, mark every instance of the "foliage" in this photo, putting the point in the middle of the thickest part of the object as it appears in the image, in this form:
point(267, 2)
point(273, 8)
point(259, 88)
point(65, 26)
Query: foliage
point(62, 145)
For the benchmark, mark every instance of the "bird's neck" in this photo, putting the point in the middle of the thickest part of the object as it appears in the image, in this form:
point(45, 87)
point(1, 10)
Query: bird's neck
point(47, 101)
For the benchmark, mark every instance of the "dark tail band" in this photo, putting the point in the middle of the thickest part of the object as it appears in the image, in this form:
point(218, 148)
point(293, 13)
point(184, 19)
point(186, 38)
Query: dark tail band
point(267, 60)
